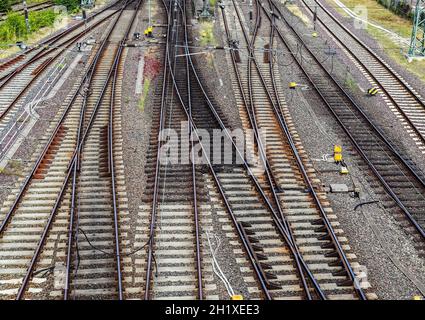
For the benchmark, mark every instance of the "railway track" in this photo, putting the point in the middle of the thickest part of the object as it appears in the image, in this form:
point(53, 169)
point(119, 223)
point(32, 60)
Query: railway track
point(41, 70)
point(60, 232)
point(399, 177)
point(266, 110)
point(174, 261)
point(33, 7)
point(401, 98)
point(270, 261)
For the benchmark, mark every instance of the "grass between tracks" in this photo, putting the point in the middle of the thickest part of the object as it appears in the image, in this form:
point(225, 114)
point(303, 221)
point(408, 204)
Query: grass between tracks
point(380, 15)
point(207, 39)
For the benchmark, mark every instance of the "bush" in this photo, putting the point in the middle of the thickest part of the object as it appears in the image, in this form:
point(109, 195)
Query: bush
point(15, 25)
point(41, 19)
point(399, 7)
point(5, 5)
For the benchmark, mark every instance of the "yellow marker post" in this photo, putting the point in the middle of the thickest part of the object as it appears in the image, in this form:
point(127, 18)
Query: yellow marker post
point(373, 91)
point(314, 34)
point(417, 298)
point(237, 297)
point(292, 85)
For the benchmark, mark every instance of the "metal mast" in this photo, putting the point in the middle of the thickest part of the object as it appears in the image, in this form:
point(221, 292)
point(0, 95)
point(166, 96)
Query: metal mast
point(417, 43)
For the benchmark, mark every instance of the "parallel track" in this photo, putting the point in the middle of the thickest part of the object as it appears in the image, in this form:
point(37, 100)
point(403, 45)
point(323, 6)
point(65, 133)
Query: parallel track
point(399, 95)
point(16, 84)
point(403, 182)
point(267, 242)
point(33, 7)
point(266, 110)
point(32, 53)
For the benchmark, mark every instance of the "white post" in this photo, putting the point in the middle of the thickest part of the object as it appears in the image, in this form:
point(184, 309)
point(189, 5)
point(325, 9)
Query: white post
point(27, 21)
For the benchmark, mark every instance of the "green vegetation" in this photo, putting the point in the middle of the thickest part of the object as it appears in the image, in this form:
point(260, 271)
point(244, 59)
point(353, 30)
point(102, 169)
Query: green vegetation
point(146, 86)
point(416, 67)
point(350, 83)
point(378, 14)
point(14, 28)
point(207, 34)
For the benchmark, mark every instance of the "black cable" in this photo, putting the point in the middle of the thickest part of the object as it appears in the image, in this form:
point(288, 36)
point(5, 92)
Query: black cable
point(365, 202)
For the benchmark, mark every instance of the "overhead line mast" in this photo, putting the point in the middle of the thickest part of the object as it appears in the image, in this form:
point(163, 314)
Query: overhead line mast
point(417, 42)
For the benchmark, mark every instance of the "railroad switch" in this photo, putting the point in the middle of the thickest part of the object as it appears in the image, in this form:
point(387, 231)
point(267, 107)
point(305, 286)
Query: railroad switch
point(292, 85)
point(372, 91)
point(236, 297)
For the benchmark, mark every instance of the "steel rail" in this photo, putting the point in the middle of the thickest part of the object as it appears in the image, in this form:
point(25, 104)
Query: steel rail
point(195, 200)
point(251, 59)
point(253, 122)
point(374, 128)
point(283, 125)
point(254, 262)
point(330, 230)
point(157, 165)
point(38, 250)
point(156, 185)
point(370, 73)
point(257, 268)
point(25, 185)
